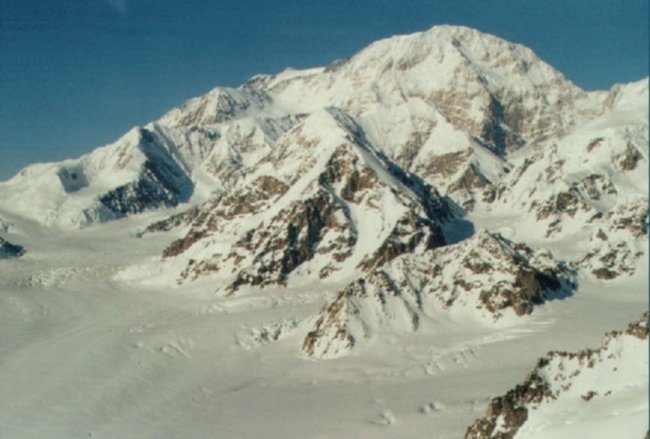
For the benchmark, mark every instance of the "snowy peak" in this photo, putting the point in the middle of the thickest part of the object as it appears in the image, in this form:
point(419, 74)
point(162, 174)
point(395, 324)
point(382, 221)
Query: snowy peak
point(141, 171)
point(218, 106)
point(161, 181)
point(501, 93)
point(492, 57)
point(630, 96)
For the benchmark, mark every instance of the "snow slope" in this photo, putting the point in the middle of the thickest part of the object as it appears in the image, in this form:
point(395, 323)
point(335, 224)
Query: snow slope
point(599, 393)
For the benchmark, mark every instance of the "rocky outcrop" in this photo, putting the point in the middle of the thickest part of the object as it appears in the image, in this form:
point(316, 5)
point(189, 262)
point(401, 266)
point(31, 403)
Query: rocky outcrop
point(9, 250)
point(318, 225)
point(617, 241)
point(459, 175)
point(162, 182)
point(629, 159)
point(506, 414)
point(562, 376)
point(209, 218)
point(410, 232)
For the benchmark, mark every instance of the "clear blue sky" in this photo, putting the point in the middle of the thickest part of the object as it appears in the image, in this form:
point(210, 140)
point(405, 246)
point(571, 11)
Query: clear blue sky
point(76, 74)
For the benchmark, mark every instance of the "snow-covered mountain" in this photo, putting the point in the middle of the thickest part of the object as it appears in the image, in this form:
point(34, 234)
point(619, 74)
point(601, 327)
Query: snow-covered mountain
point(571, 162)
point(329, 174)
point(449, 105)
point(446, 183)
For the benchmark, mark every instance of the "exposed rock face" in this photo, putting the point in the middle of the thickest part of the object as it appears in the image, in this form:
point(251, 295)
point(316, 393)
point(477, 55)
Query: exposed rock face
point(460, 174)
point(562, 377)
point(618, 241)
point(162, 182)
point(318, 225)
point(210, 217)
point(629, 159)
point(486, 273)
point(410, 232)
point(506, 414)
point(9, 250)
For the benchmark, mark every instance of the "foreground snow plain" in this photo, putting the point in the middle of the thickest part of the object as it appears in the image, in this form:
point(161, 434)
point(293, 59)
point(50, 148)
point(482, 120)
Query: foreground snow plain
point(85, 354)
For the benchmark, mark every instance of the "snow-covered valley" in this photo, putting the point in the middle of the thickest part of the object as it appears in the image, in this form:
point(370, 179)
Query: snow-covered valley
point(83, 354)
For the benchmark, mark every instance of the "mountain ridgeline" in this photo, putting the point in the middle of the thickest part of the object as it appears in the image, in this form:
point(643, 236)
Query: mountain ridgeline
point(428, 172)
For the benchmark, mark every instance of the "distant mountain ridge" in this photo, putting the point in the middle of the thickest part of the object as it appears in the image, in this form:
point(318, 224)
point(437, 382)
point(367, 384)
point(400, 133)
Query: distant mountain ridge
point(448, 104)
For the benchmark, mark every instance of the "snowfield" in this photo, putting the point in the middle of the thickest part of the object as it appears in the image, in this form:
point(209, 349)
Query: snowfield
point(85, 354)
point(377, 248)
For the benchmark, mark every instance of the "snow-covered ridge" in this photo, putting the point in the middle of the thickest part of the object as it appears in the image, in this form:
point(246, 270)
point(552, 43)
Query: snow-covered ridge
point(485, 277)
point(142, 170)
point(584, 385)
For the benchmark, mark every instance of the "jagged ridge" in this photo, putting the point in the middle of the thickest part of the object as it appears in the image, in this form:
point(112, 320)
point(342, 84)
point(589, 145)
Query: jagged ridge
point(562, 376)
point(486, 274)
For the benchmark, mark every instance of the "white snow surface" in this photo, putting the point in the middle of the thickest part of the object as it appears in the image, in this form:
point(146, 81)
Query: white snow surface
point(84, 353)
point(608, 399)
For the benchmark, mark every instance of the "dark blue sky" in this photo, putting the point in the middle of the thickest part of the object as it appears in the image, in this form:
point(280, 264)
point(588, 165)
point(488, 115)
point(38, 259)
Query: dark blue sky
point(76, 74)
